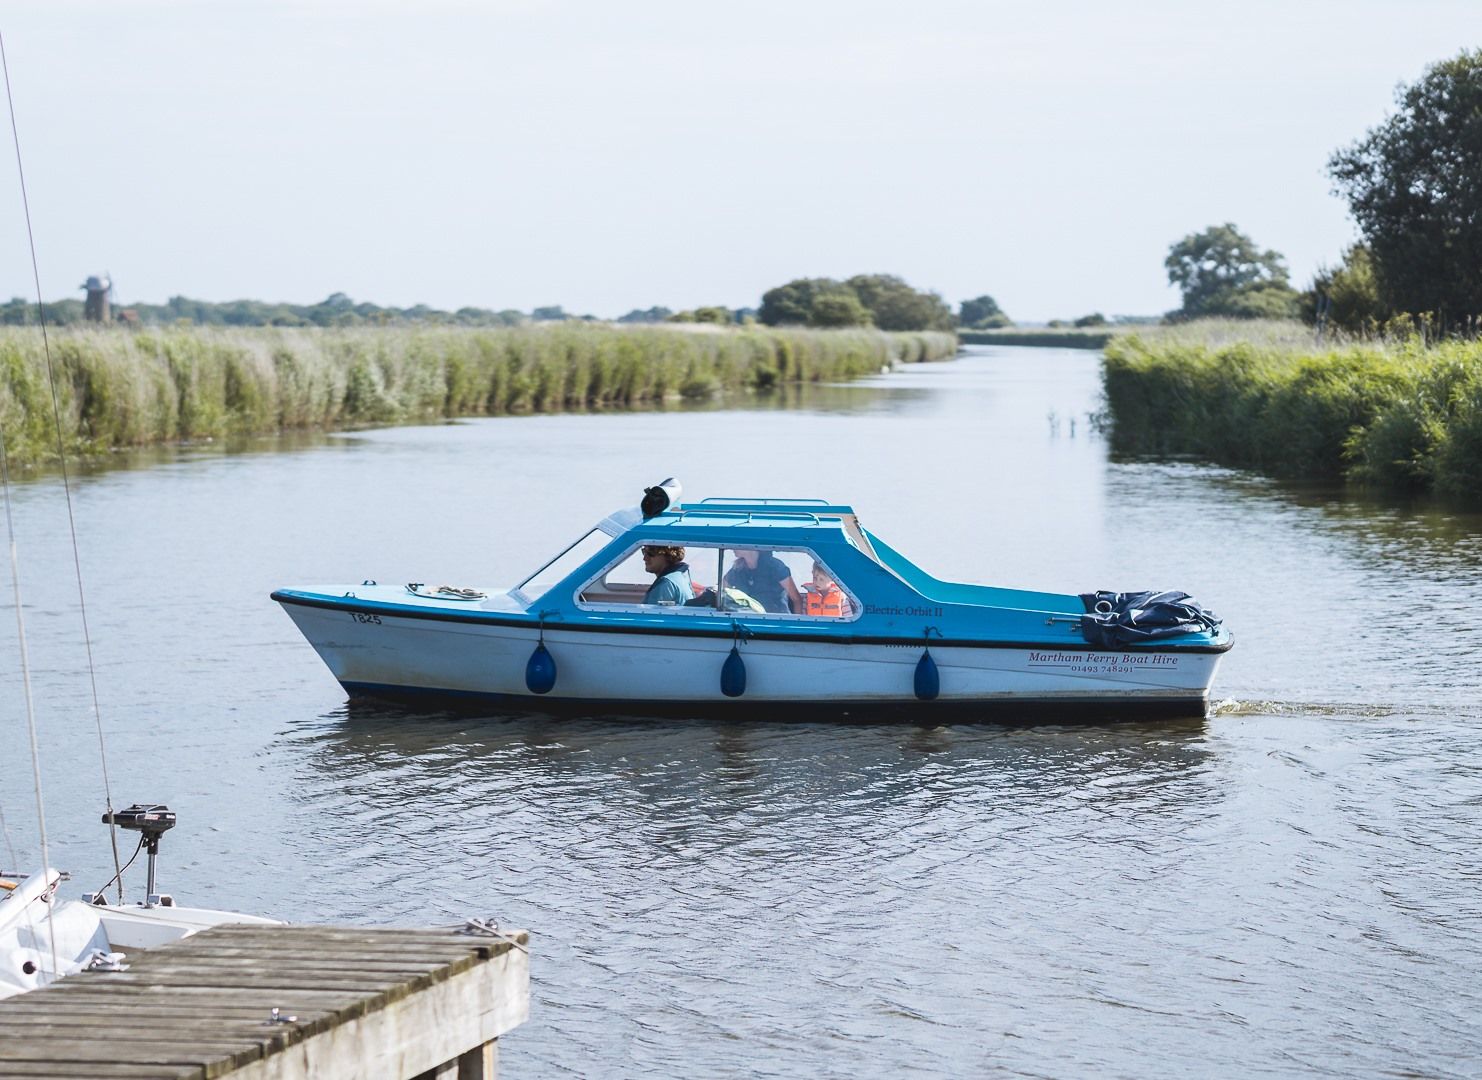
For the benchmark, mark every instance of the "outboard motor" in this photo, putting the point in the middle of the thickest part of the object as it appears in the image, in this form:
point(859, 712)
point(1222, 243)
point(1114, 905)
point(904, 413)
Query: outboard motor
point(660, 498)
point(152, 821)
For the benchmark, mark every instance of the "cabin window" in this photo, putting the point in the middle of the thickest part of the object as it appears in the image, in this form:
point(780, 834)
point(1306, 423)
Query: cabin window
point(784, 581)
point(626, 583)
point(564, 564)
point(787, 582)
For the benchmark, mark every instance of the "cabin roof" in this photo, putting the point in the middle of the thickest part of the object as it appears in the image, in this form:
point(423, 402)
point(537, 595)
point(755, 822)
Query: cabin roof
point(727, 520)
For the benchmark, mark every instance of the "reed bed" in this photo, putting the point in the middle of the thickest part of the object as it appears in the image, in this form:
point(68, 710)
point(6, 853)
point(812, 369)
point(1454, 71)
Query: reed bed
point(1395, 413)
point(118, 388)
point(1068, 338)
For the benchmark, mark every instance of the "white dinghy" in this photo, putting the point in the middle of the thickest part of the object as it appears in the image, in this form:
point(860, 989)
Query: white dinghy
point(44, 938)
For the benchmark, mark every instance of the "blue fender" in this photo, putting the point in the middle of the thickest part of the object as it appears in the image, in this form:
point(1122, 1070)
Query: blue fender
point(733, 674)
point(540, 670)
point(928, 682)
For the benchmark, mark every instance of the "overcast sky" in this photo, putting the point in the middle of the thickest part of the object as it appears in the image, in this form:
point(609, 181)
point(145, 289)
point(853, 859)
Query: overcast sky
point(606, 156)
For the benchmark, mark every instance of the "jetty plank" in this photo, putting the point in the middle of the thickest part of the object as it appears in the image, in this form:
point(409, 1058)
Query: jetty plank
point(93, 1052)
point(352, 1002)
point(114, 1071)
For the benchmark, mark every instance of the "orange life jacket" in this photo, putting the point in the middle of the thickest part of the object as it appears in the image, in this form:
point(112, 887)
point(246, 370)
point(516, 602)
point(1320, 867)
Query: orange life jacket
point(828, 603)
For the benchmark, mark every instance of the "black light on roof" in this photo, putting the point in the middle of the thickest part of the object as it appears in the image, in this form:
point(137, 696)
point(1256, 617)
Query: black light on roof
point(660, 497)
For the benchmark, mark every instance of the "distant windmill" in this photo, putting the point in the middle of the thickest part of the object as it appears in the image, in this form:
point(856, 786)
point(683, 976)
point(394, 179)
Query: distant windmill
point(99, 293)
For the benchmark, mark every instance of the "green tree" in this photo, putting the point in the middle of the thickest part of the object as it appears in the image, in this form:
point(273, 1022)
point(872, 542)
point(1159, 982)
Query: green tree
point(1347, 296)
point(981, 313)
point(791, 303)
point(1221, 271)
point(1094, 319)
point(889, 302)
point(838, 309)
point(1414, 185)
point(894, 305)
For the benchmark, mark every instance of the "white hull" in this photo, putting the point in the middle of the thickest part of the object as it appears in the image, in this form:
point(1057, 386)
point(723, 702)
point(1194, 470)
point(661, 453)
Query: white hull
point(412, 655)
point(43, 938)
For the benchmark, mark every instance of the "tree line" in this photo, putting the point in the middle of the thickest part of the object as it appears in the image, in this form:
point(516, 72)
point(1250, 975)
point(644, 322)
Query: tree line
point(336, 310)
point(1413, 184)
point(883, 301)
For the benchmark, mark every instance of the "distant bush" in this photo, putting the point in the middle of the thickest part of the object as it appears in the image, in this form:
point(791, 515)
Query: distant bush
point(645, 315)
point(1346, 297)
point(981, 313)
point(719, 316)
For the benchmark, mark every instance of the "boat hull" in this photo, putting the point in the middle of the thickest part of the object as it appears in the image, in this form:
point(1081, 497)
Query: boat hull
point(623, 670)
point(43, 939)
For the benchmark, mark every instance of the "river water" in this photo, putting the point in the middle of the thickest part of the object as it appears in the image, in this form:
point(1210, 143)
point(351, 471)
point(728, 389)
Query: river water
point(1289, 887)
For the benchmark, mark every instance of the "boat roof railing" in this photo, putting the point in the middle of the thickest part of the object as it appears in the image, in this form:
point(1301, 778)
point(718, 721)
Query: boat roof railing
point(760, 502)
point(768, 507)
point(745, 515)
point(815, 512)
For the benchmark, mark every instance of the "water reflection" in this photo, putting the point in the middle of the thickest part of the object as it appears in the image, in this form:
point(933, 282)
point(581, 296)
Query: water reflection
point(678, 777)
point(882, 395)
point(1332, 601)
point(400, 727)
point(1429, 533)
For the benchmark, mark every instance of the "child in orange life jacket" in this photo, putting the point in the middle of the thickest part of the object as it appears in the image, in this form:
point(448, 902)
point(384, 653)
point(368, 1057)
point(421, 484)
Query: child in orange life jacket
point(824, 597)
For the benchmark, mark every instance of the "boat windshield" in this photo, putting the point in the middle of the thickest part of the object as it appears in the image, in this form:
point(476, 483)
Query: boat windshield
point(540, 582)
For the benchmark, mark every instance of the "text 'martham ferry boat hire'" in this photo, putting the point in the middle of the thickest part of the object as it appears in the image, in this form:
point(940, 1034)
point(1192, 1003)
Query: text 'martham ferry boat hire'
point(675, 608)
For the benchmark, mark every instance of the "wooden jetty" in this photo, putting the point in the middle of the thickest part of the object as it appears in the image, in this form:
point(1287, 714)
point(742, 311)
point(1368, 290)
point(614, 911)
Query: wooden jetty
point(280, 1002)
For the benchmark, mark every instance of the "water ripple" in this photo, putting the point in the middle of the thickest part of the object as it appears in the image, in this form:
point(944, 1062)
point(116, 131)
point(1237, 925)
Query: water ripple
point(1208, 892)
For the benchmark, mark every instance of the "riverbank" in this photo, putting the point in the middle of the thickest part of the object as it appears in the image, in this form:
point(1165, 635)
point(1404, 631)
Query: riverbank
point(1068, 338)
point(1392, 414)
point(119, 388)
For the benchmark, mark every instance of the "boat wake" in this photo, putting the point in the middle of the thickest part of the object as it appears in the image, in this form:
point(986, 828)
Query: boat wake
point(1344, 710)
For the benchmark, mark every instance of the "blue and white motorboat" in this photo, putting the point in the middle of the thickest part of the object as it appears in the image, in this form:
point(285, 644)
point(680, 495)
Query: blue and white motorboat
point(846, 626)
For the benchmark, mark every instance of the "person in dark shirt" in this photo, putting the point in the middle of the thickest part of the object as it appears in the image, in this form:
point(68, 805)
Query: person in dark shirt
point(766, 579)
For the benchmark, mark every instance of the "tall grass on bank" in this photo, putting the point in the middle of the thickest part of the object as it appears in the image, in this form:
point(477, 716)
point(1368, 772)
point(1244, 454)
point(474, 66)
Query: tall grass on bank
point(121, 388)
point(1068, 338)
point(1395, 414)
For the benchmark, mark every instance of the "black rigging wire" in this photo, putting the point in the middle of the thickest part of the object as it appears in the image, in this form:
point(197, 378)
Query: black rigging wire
point(126, 865)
